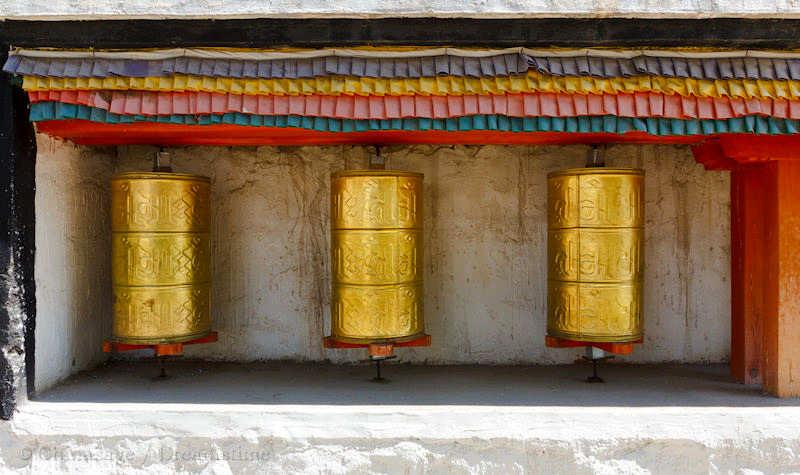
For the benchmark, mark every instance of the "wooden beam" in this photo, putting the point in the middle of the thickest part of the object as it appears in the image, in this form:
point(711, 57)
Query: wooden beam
point(744, 33)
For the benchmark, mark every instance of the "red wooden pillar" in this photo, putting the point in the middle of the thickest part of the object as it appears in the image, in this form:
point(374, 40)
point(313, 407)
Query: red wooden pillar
point(751, 203)
point(781, 284)
point(749, 208)
point(765, 260)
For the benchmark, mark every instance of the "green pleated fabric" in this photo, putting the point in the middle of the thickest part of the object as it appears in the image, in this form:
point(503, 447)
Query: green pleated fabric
point(43, 111)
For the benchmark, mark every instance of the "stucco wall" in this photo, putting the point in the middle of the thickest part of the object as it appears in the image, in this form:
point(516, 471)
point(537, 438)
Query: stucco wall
point(485, 249)
point(88, 9)
point(73, 249)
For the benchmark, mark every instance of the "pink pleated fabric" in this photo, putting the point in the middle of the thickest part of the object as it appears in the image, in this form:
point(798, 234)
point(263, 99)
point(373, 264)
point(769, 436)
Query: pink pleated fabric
point(644, 104)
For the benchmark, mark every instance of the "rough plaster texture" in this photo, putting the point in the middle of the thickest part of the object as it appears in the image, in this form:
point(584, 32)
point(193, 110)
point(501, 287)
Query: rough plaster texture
point(73, 249)
point(485, 234)
point(114, 9)
point(398, 439)
point(288, 418)
point(13, 348)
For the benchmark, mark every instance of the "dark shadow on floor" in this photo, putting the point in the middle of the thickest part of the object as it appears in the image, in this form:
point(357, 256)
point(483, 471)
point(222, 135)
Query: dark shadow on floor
point(198, 382)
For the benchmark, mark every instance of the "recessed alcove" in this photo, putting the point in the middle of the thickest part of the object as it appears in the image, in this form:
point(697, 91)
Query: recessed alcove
point(716, 132)
point(485, 234)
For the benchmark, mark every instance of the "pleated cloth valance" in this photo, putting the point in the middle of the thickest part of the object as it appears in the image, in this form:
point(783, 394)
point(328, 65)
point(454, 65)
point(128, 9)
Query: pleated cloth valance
point(658, 93)
point(372, 65)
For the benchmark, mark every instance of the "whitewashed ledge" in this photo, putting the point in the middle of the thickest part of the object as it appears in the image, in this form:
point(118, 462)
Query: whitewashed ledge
point(279, 418)
point(219, 9)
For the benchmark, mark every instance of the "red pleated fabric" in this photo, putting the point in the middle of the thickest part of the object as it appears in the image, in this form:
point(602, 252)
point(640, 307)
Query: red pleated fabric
point(644, 104)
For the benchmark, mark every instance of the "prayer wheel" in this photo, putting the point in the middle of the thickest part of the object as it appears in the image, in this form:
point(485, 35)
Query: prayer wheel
point(595, 235)
point(161, 257)
point(376, 256)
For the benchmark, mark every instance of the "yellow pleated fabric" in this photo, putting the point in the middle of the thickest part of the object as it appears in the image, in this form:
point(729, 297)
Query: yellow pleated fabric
point(439, 86)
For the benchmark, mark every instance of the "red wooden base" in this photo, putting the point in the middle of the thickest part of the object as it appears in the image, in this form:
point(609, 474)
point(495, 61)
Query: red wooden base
point(616, 348)
point(161, 349)
point(379, 350)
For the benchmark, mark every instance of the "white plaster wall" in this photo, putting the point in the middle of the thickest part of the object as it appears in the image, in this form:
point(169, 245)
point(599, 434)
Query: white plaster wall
point(485, 250)
point(114, 9)
point(72, 267)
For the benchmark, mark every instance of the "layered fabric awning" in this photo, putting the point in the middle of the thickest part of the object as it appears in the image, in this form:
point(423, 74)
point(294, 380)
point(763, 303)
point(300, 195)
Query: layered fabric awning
point(373, 95)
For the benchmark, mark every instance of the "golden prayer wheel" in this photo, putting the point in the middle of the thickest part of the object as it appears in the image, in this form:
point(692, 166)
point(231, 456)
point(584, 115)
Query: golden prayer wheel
point(161, 257)
point(376, 256)
point(595, 235)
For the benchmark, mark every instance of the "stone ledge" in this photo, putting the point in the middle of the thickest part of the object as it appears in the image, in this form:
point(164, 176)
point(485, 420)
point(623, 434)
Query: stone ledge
point(222, 9)
point(311, 418)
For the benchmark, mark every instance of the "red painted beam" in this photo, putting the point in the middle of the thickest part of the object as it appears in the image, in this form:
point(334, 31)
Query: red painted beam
point(716, 152)
point(711, 155)
point(94, 133)
point(750, 148)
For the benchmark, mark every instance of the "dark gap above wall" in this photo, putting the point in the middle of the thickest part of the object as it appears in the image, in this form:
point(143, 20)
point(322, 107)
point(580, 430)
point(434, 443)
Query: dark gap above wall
point(314, 33)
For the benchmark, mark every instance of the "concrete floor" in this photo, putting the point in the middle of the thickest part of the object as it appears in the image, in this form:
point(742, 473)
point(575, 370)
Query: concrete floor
point(195, 382)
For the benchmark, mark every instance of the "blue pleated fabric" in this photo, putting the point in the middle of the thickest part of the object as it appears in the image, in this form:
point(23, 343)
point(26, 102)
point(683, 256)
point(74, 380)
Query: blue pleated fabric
point(583, 124)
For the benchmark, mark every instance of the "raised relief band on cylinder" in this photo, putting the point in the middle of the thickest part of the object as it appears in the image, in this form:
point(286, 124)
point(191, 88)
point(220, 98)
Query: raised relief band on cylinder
point(376, 256)
point(595, 238)
point(161, 257)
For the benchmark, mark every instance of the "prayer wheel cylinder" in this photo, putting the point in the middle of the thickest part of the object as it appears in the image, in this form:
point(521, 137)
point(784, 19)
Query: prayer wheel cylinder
point(595, 235)
point(376, 256)
point(161, 257)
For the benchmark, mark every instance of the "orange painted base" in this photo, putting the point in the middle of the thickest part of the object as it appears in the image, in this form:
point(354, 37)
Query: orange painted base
point(616, 348)
point(165, 349)
point(382, 350)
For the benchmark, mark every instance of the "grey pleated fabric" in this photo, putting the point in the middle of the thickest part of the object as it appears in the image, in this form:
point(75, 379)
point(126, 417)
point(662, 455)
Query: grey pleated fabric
point(500, 65)
point(705, 68)
point(424, 66)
